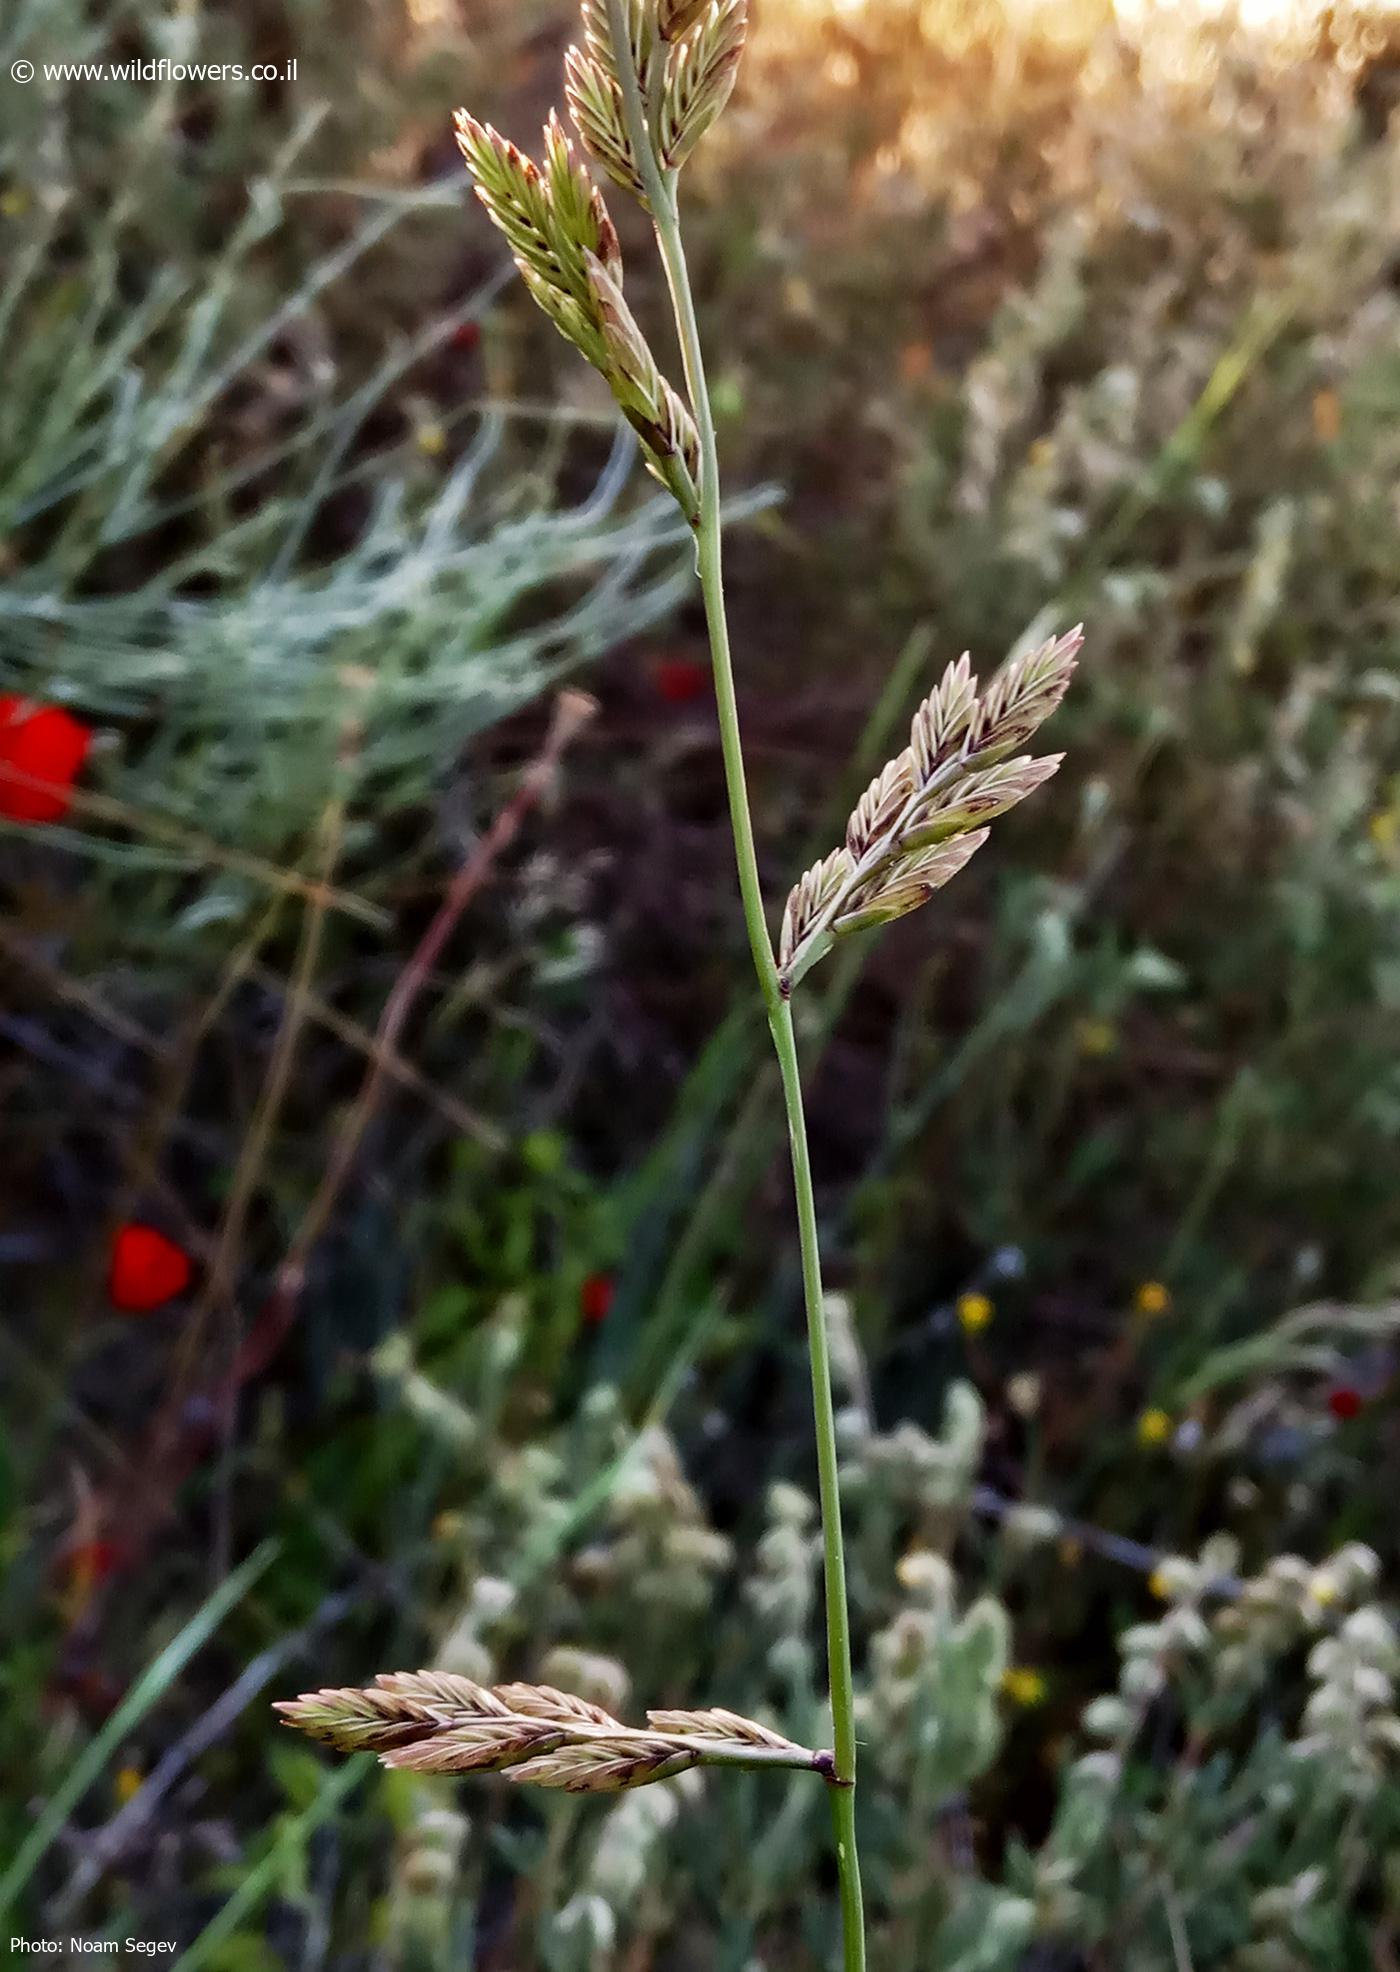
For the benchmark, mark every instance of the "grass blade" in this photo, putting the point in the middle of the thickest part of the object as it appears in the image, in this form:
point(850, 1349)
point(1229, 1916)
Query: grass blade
point(146, 1692)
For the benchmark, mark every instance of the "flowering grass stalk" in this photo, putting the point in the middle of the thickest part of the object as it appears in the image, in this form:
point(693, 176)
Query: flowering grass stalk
point(644, 84)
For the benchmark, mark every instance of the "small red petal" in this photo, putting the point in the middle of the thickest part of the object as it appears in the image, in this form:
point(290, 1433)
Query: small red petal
point(466, 336)
point(1345, 1403)
point(93, 1561)
point(596, 1297)
point(45, 748)
point(147, 1270)
point(679, 681)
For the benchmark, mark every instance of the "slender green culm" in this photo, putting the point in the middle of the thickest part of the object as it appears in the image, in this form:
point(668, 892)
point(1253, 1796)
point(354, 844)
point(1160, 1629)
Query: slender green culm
point(645, 82)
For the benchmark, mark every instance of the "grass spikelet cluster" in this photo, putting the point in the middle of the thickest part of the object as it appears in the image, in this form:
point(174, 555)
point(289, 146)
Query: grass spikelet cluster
point(566, 248)
point(922, 818)
point(435, 1722)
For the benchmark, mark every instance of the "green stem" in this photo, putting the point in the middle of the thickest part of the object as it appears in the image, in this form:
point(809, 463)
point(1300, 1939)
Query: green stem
point(660, 189)
point(838, 1620)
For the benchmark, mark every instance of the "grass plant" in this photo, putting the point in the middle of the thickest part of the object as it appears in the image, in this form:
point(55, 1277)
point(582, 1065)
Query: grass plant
point(646, 82)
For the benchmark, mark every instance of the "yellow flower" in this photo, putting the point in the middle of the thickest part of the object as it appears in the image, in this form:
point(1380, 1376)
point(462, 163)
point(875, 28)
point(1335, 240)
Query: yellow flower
point(430, 438)
point(127, 1784)
point(975, 1311)
point(1154, 1427)
point(1160, 1584)
point(1024, 1687)
point(1095, 1038)
point(1152, 1298)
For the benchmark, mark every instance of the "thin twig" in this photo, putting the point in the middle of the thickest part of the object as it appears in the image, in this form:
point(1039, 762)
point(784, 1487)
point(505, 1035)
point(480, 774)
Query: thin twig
point(77, 993)
point(196, 848)
point(180, 1437)
point(453, 1111)
point(1181, 1950)
point(1143, 1560)
point(219, 1281)
point(114, 1839)
point(571, 713)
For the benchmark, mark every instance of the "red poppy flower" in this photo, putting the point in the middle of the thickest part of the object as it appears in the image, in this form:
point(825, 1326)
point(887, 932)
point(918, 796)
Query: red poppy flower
point(1345, 1403)
point(596, 1298)
point(44, 748)
point(680, 681)
point(466, 336)
point(147, 1270)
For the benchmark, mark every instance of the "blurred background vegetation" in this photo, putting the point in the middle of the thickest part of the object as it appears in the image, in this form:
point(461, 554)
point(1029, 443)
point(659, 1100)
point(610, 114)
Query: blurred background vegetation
point(490, 1353)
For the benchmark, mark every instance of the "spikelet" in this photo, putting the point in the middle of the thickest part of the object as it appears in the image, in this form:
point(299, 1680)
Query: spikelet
point(596, 1767)
point(567, 250)
point(434, 1722)
point(510, 187)
point(1023, 695)
point(880, 807)
point(595, 104)
point(673, 17)
point(807, 905)
point(581, 222)
point(701, 69)
point(980, 797)
point(648, 402)
point(718, 1724)
point(944, 717)
point(598, 39)
point(551, 219)
point(546, 1701)
point(909, 882)
point(923, 816)
point(662, 81)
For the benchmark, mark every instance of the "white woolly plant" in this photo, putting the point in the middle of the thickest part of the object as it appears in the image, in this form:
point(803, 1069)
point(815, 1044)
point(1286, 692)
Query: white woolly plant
point(645, 82)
